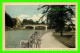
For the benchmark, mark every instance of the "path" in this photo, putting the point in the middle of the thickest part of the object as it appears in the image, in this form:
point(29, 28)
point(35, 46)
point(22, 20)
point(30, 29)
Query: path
point(49, 41)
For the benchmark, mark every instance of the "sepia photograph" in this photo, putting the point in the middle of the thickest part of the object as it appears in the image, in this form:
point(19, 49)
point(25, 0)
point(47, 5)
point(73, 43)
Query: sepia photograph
point(40, 26)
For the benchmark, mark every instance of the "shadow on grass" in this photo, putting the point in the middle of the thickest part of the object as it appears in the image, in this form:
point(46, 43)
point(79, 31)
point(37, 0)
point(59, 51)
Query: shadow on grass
point(67, 36)
point(67, 39)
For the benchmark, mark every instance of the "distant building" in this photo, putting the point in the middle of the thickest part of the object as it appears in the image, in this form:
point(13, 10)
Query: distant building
point(18, 23)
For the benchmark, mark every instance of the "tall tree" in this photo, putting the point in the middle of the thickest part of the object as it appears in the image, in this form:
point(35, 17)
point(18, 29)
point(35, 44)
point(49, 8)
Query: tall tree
point(58, 15)
point(8, 20)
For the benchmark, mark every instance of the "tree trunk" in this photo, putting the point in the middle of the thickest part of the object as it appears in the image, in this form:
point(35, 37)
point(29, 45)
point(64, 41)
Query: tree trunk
point(61, 30)
point(61, 33)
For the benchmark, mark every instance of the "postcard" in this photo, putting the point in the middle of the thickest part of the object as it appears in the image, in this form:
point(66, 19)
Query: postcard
point(40, 26)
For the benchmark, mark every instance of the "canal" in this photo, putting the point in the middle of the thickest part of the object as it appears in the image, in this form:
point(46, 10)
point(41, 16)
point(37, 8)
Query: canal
point(13, 38)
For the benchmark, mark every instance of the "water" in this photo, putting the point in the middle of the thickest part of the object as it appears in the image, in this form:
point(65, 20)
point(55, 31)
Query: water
point(13, 38)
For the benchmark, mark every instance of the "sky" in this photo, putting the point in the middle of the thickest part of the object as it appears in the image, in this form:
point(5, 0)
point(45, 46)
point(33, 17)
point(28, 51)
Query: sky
point(24, 12)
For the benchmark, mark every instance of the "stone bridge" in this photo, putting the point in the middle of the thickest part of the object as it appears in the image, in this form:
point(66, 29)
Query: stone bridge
point(34, 26)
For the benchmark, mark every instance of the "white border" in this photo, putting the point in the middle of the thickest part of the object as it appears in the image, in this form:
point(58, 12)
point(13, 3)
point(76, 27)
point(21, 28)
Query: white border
point(24, 49)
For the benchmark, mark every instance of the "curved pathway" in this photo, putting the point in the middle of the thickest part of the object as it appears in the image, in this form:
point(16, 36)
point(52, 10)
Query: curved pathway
point(49, 41)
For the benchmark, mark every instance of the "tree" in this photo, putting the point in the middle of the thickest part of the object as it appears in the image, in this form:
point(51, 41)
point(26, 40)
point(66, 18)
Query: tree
point(8, 21)
point(37, 22)
point(30, 21)
point(24, 21)
point(42, 22)
point(14, 21)
point(58, 15)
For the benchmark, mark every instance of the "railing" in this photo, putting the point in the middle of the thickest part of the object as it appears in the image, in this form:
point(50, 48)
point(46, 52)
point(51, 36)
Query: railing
point(33, 42)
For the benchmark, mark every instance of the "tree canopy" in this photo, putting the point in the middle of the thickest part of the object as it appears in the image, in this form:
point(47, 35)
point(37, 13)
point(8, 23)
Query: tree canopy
point(9, 22)
point(58, 15)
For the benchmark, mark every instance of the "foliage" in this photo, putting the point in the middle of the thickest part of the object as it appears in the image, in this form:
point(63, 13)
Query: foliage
point(14, 21)
point(58, 18)
point(25, 21)
point(8, 21)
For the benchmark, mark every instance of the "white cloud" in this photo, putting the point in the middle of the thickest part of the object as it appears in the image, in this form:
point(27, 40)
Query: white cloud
point(23, 16)
point(34, 17)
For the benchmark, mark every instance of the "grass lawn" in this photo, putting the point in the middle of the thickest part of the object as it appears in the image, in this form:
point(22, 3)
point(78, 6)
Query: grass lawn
point(67, 39)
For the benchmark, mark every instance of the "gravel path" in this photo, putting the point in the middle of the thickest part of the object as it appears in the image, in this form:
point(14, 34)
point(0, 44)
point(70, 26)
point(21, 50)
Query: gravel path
point(49, 41)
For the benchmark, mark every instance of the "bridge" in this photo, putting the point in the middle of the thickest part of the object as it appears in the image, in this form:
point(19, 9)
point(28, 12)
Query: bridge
point(34, 26)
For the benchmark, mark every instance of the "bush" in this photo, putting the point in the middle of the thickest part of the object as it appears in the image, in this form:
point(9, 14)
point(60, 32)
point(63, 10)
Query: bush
point(68, 29)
